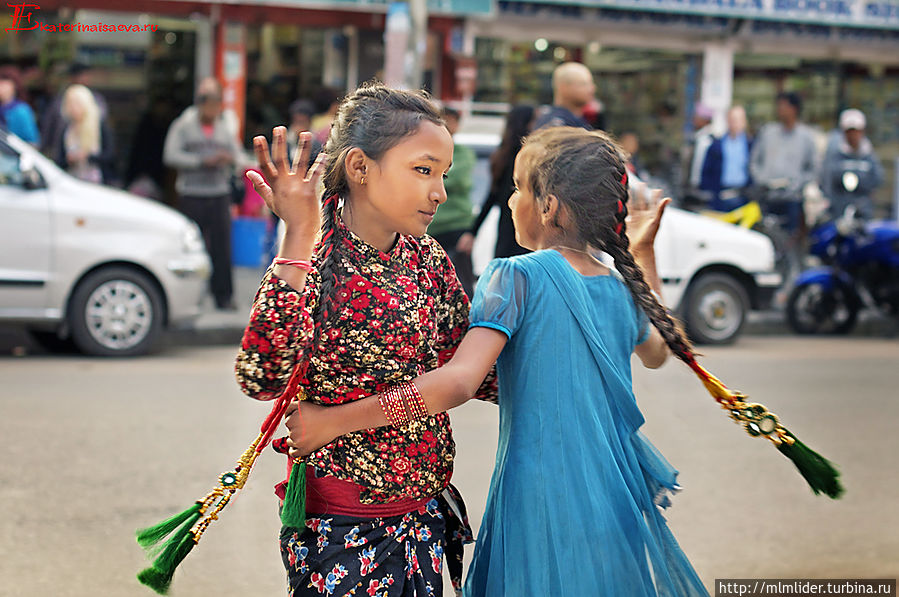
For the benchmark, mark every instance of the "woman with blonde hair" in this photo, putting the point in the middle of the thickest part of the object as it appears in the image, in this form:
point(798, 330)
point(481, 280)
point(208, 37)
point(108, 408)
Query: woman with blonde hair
point(85, 148)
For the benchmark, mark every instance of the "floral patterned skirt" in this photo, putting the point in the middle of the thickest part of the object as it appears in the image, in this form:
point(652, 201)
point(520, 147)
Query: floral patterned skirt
point(395, 556)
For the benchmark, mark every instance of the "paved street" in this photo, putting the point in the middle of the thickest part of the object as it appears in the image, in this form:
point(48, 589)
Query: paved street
point(93, 449)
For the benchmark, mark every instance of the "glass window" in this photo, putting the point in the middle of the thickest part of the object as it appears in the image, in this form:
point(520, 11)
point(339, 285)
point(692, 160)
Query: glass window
point(10, 173)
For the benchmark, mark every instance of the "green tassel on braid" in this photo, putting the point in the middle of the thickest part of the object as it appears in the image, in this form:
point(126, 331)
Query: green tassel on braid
point(185, 529)
point(159, 576)
point(150, 537)
point(293, 511)
point(758, 421)
point(820, 474)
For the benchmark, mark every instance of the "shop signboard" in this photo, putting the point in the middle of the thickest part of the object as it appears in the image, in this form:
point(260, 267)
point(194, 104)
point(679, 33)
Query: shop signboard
point(439, 7)
point(880, 14)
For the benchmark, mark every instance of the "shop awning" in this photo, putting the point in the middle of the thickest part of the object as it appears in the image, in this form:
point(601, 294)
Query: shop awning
point(878, 14)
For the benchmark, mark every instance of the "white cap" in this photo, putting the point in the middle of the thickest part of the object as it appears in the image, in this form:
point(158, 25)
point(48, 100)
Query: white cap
point(852, 119)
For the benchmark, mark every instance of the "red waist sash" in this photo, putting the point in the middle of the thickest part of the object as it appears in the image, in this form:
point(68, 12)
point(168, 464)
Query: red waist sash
point(330, 495)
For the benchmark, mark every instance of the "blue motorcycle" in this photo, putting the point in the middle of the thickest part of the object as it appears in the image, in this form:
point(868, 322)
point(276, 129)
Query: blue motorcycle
point(861, 268)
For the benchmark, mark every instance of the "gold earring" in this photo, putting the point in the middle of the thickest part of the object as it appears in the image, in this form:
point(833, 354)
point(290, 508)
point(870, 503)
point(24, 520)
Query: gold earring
point(362, 181)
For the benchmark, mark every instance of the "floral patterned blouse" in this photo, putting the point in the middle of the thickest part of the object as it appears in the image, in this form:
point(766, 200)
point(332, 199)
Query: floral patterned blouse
point(401, 314)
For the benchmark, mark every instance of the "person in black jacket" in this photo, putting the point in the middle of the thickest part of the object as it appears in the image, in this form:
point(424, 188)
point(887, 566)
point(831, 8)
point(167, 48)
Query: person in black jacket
point(519, 123)
point(573, 93)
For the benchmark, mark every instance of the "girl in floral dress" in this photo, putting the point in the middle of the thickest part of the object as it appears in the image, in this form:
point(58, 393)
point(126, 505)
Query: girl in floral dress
point(359, 300)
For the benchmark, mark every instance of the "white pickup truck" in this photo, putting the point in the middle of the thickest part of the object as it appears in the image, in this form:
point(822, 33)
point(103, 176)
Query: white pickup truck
point(713, 273)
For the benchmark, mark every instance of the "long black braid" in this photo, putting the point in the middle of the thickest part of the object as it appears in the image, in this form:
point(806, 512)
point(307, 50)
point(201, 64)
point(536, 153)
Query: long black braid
point(585, 171)
point(374, 118)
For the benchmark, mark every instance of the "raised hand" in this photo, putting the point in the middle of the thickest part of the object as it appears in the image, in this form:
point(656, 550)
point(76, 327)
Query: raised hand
point(287, 189)
point(645, 210)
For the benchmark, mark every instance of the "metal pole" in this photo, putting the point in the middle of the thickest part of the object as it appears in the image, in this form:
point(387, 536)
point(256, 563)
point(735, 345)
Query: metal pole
point(396, 44)
point(352, 71)
point(418, 11)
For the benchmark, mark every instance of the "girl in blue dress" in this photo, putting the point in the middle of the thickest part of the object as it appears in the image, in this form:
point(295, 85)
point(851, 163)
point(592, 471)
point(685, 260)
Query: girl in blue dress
point(575, 498)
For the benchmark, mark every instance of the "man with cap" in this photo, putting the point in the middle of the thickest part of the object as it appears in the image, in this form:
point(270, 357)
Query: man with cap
point(851, 170)
point(784, 155)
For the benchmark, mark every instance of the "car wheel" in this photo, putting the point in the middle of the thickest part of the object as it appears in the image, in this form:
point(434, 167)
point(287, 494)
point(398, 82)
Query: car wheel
point(715, 309)
point(814, 309)
point(115, 312)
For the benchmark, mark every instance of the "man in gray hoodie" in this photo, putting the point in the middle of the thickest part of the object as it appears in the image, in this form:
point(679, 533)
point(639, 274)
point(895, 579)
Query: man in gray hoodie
point(202, 146)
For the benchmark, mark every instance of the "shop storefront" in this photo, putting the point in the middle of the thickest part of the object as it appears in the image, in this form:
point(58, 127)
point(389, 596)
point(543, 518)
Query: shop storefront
point(653, 60)
point(268, 53)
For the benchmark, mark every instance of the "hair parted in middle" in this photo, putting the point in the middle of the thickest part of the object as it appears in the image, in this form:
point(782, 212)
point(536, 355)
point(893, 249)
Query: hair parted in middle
point(585, 171)
point(374, 118)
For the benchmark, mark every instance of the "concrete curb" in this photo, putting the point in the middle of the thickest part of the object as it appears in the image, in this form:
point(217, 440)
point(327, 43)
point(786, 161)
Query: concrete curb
point(768, 323)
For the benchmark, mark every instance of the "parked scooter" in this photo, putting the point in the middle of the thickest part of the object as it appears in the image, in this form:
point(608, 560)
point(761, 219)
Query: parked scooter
point(861, 270)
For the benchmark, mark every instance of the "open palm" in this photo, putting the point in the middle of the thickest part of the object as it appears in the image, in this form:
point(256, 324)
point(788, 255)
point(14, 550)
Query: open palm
point(292, 194)
point(645, 209)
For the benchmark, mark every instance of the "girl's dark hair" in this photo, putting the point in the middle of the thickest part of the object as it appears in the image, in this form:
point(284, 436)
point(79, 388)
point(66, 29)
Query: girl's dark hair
point(517, 127)
point(585, 171)
point(374, 118)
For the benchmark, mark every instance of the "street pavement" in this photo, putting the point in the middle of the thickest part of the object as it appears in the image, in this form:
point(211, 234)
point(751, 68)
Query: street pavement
point(95, 448)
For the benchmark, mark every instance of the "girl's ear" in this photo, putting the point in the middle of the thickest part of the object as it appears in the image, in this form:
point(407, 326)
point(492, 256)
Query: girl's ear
point(549, 210)
point(355, 163)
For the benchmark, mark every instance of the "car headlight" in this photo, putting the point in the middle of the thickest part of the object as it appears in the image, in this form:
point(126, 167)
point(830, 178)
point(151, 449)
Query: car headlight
point(192, 240)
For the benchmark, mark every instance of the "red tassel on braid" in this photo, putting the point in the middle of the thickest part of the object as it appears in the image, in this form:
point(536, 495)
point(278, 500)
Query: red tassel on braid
point(620, 225)
point(332, 198)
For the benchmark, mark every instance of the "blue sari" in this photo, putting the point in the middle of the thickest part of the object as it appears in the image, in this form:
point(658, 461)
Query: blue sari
point(575, 501)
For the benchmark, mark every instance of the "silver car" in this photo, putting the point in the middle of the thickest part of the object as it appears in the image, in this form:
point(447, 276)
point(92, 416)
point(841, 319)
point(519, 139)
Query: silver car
point(92, 265)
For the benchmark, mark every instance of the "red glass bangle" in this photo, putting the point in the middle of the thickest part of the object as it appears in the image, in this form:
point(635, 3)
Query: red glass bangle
point(303, 265)
point(392, 405)
point(402, 403)
point(414, 400)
